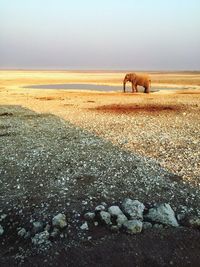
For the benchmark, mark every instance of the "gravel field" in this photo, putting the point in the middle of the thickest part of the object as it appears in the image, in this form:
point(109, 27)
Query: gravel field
point(68, 151)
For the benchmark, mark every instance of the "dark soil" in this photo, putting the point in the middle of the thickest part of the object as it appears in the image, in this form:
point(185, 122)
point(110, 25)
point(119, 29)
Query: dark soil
point(169, 247)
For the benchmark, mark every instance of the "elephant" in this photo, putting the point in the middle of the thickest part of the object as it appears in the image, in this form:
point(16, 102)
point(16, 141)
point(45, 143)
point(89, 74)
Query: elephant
point(136, 79)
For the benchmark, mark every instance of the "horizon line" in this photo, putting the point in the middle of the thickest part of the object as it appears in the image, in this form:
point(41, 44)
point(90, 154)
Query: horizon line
point(99, 69)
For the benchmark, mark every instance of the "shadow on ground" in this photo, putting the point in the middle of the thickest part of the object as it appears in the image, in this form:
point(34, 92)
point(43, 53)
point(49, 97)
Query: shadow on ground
point(48, 165)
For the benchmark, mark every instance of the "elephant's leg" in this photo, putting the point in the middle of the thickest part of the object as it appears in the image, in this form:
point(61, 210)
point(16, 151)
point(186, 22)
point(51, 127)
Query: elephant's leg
point(133, 87)
point(136, 90)
point(146, 89)
point(124, 87)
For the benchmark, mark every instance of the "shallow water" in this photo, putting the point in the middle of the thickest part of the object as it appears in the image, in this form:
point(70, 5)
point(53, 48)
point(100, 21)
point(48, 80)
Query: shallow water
point(93, 87)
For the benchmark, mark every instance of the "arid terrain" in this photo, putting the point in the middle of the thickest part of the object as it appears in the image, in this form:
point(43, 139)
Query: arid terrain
point(66, 151)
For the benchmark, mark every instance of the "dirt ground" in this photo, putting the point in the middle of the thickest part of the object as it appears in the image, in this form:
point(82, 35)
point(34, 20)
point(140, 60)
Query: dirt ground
point(67, 151)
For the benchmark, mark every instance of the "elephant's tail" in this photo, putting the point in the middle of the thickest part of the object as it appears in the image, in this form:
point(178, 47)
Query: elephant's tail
point(150, 83)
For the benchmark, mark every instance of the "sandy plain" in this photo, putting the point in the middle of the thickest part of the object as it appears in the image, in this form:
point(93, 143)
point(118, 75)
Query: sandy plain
point(162, 128)
point(136, 120)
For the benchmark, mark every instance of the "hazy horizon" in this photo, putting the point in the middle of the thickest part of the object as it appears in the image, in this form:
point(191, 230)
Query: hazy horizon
point(100, 35)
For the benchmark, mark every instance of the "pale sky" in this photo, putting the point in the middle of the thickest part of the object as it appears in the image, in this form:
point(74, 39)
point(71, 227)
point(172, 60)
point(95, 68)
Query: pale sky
point(100, 34)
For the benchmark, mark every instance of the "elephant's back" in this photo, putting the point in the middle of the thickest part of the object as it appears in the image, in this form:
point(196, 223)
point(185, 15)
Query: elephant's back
point(143, 78)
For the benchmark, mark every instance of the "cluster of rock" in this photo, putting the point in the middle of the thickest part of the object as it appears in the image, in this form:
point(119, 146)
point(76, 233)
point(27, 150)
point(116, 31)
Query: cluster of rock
point(133, 216)
point(42, 234)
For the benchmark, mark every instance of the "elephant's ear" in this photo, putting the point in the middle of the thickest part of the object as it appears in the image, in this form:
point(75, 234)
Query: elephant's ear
point(133, 76)
point(127, 76)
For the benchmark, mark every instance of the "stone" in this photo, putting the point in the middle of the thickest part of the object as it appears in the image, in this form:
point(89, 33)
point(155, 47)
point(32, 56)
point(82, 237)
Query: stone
point(194, 222)
point(105, 217)
point(133, 208)
point(182, 213)
point(41, 239)
point(114, 228)
point(181, 217)
point(147, 225)
point(115, 211)
point(55, 232)
point(28, 234)
point(84, 226)
point(121, 219)
point(163, 214)
point(100, 208)
point(133, 226)
point(37, 227)
point(2, 217)
point(158, 226)
point(21, 232)
point(89, 216)
point(1, 230)
point(104, 204)
point(59, 221)
point(47, 227)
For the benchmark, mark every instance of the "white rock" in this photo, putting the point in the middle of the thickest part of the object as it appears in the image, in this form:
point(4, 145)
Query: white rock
point(121, 219)
point(59, 220)
point(194, 222)
point(115, 211)
point(89, 216)
point(100, 208)
point(105, 217)
point(182, 212)
point(84, 226)
point(2, 217)
point(21, 232)
point(47, 227)
point(164, 214)
point(133, 208)
point(147, 225)
point(104, 204)
point(114, 228)
point(41, 238)
point(133, 226)
point(37, 227)
point(54, 233)
point(158, 226)
point(1, 230)
point(180, 216)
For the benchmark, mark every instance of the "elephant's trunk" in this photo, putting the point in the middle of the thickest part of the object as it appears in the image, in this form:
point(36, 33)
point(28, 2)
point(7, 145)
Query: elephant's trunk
point(124, 86)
